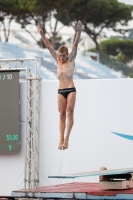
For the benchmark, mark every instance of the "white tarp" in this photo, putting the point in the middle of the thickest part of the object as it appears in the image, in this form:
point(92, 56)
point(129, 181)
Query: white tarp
point(102, 106)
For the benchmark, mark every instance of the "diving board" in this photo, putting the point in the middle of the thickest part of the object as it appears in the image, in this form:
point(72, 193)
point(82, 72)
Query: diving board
point(94, 173)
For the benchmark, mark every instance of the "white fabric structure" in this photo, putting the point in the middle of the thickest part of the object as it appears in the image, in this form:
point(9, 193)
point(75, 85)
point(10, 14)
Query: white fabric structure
point(86, 68)
point(102, 106)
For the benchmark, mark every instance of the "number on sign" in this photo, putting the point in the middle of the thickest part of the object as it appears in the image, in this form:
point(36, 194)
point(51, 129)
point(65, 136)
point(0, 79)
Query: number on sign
point(16, 137)
point(11, 137)
point(9, 76)
point(10, 147)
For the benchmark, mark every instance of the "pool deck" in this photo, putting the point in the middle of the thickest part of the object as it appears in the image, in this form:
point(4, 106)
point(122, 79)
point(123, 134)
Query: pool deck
point(75, 190)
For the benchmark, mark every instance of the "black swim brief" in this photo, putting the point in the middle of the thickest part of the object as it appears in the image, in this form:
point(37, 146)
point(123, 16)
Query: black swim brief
point(66, 91)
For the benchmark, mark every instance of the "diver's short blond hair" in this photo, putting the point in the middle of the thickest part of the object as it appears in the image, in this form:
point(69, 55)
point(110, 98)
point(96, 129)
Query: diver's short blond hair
point(62, 48)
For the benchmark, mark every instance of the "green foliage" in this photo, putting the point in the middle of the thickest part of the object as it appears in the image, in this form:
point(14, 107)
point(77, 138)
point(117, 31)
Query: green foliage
point(123, 58)
point(97, 15)
point(117, 66)
point(42, 11)
point(130, 74)
point(121, 49)
point(94, 14)
point(110, 46)
point(92, 50)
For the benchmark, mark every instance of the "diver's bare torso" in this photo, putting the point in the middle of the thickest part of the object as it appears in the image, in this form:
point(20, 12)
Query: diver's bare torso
point(65, 73)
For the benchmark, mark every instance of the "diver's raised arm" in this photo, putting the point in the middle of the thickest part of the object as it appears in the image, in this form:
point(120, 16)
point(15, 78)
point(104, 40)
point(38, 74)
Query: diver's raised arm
point(76, 41)
point(46, 42)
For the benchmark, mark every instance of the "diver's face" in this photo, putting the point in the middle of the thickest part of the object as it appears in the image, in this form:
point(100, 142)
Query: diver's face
point(63, 56)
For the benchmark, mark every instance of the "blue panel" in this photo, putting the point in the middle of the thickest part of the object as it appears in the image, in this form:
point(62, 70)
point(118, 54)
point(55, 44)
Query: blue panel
point(129, 137)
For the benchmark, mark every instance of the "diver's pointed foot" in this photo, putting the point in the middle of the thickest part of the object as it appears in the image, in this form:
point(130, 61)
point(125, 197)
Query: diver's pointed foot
point(65, 145)
point(60, 146)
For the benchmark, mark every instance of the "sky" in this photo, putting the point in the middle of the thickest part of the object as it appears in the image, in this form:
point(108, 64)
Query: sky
point(127, 1)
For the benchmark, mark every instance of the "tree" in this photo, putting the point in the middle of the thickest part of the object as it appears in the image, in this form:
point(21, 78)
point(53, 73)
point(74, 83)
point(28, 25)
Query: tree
point(121, 49)
point(8, 10)
point(43, 11)
point(97, 15)
point(33, 12)
point(56, 14)
point(27, 12)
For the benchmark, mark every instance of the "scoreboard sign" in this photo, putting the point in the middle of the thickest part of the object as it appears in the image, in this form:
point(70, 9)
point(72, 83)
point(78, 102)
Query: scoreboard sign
point(9, 112)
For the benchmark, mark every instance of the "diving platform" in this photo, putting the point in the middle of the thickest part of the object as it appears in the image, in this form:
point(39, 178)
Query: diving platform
point(122, 189)
point(75, 190)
